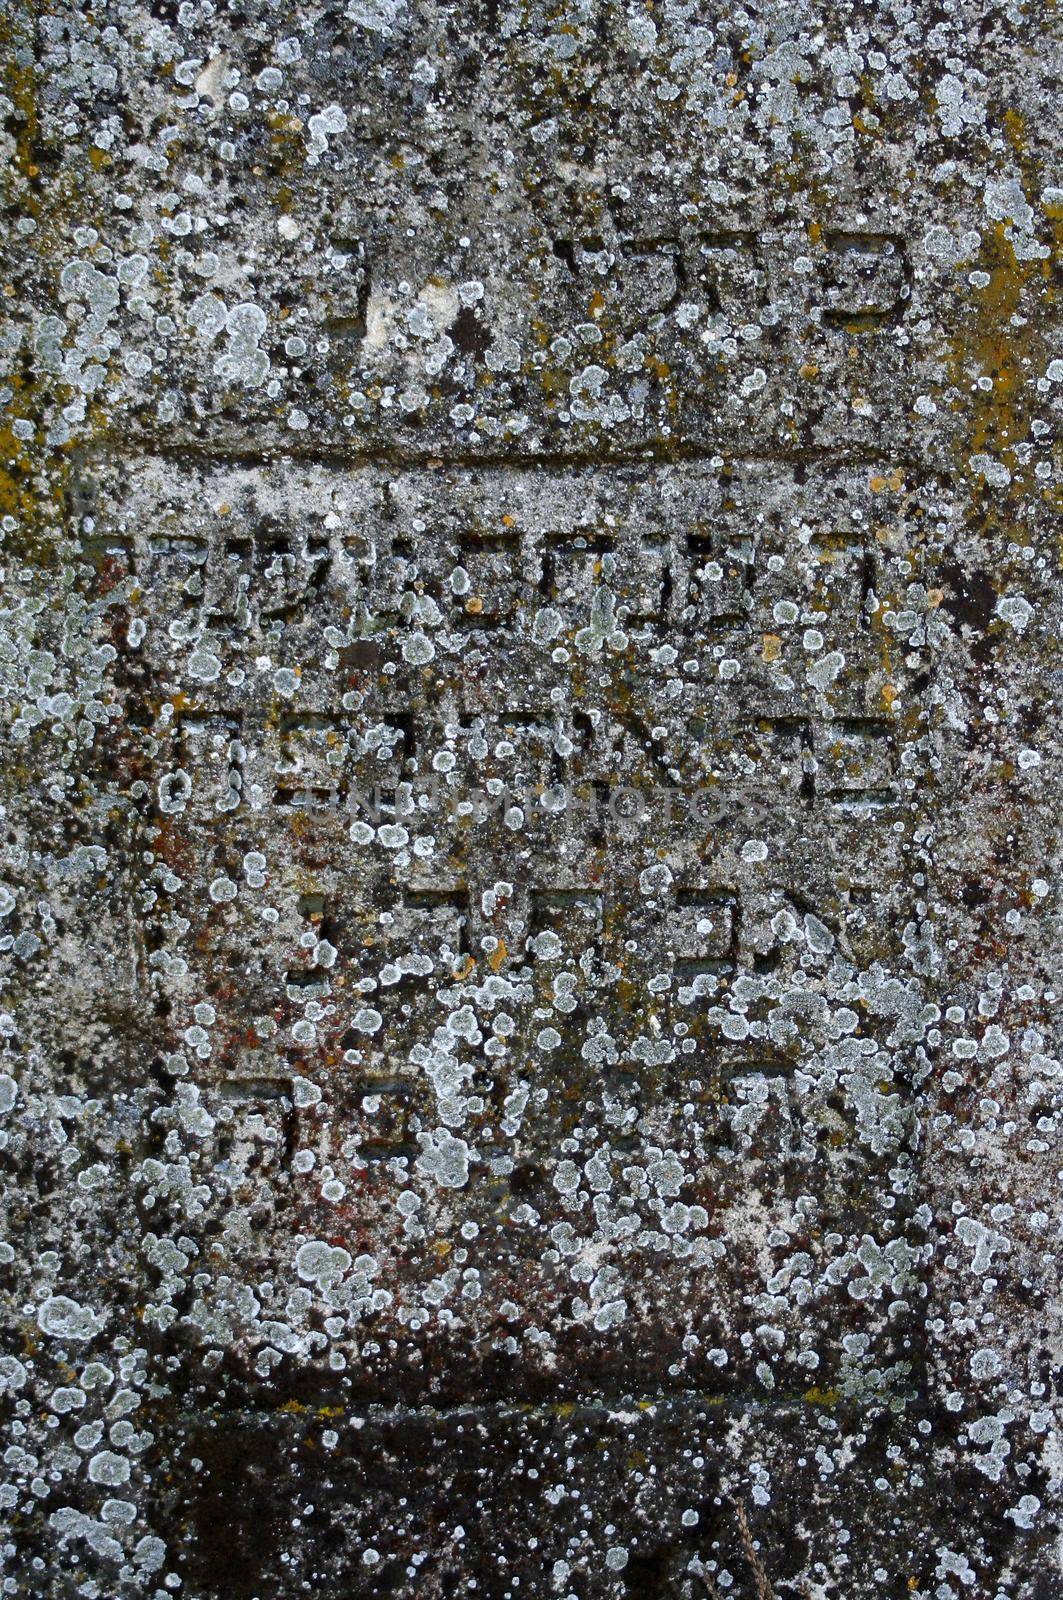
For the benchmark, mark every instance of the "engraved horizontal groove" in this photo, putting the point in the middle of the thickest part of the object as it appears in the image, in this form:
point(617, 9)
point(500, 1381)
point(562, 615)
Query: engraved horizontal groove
point(219, 453)
point(239, 1090)
point(651, 1407)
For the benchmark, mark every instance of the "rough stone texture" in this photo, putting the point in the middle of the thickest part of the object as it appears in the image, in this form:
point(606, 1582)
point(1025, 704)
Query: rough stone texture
point(529, 648)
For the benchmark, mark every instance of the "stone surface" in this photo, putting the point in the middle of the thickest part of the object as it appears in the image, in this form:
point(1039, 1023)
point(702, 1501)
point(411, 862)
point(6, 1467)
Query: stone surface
point(530, 903)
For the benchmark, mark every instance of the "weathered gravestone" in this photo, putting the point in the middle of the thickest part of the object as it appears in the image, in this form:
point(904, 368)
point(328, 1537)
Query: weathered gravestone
point(530, 907)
